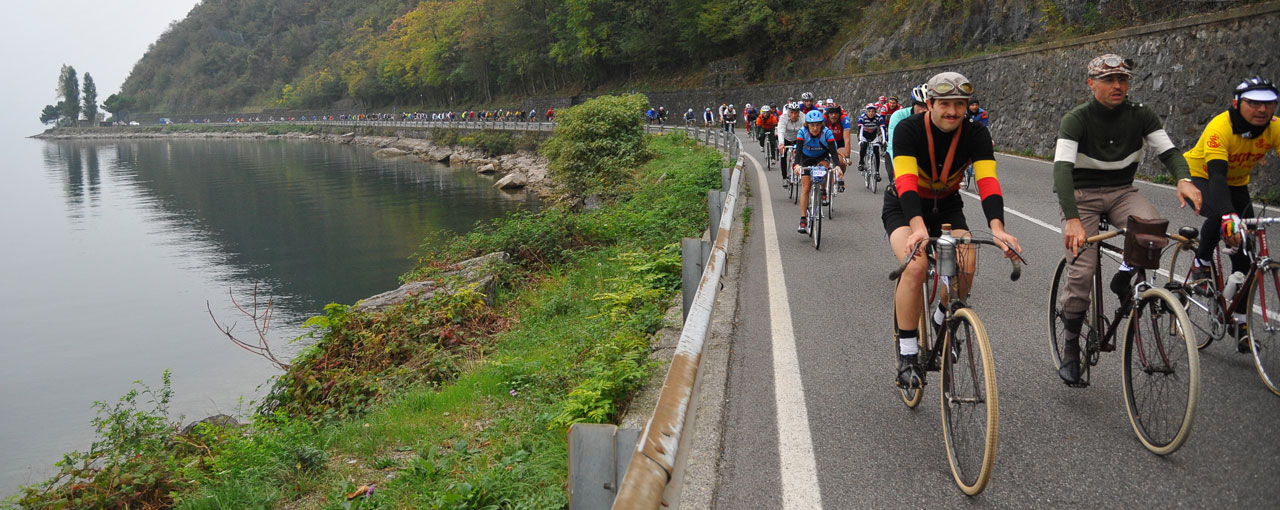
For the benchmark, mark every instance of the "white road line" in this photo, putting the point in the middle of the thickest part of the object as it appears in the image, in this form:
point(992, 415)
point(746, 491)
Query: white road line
point(796, 463)
point(1017, 213)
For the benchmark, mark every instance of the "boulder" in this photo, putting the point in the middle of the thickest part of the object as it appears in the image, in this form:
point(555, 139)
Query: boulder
point(220, 420)
point(513, 180)
point(390, 152)
point(476, 271)
point(487, 169)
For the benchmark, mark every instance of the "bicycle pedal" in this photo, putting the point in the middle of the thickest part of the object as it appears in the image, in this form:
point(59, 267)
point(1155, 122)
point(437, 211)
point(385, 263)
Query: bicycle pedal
point(1081, 384)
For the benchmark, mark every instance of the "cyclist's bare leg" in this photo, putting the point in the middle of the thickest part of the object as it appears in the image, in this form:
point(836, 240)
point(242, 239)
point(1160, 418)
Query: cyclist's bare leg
point(966, 257)
point(804, 192)
point(906, 296)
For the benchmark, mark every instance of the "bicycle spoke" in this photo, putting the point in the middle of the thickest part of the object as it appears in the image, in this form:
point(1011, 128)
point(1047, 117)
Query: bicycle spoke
point(1264, 327)
point(1161, 372)
point(968, 402)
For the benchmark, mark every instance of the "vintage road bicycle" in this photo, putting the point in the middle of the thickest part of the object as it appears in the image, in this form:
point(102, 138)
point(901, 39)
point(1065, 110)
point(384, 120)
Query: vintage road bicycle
point(1160, 365)
point(1259, 295)
point(969, 399)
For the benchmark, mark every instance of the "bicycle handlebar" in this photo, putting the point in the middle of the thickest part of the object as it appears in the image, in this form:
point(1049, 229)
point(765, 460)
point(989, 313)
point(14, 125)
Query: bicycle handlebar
point(1017, 261)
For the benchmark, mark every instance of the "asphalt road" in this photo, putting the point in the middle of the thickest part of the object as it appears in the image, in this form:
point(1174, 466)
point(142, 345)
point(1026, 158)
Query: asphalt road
point(847, 441)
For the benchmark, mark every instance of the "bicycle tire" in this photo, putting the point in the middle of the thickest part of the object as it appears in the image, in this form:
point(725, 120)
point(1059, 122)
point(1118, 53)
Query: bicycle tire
point(1264, 341)
point(1089, 330)
point(1202, 302)
point(1153, 356)
point(874, 179)
point(816, 221)
point(831, 195)
point(970, 434)
point(912, 397)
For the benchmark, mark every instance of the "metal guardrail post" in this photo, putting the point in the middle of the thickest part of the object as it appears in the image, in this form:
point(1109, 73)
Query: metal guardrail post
point(650, 468)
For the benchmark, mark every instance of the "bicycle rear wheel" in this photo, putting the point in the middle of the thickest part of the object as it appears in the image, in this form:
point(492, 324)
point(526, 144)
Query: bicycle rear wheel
point(1264, 326)
point(912, 397)
point(1201, 300)
point(831, 194)
point(1161, 372)
point(1089, 334)
point(970, 411)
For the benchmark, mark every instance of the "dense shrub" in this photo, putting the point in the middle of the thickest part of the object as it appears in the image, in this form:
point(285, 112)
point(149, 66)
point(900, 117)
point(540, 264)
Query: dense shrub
point(597, 144)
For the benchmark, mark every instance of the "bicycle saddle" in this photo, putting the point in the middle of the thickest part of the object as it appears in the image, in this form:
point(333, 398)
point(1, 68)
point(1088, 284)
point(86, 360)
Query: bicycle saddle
point(1189, 232)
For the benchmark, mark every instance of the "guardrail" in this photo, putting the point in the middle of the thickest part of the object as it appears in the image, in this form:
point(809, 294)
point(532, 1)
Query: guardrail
point(657, 453)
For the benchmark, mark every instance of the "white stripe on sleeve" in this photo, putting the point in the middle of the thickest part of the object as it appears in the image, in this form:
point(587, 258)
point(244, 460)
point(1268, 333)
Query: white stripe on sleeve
point(1159, 141)
point(1066, 151)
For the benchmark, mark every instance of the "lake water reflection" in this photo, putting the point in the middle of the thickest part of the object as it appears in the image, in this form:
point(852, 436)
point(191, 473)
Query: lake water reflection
point(112, 249)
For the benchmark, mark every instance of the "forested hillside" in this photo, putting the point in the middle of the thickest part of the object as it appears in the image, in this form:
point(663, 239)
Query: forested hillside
point(309, 53)
point(233, 54)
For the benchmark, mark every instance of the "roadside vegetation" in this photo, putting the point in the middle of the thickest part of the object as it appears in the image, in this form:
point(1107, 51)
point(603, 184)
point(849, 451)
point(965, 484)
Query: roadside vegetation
point(444, 402)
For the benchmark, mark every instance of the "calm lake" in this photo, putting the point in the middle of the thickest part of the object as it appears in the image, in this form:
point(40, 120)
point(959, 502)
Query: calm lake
point(109, 252)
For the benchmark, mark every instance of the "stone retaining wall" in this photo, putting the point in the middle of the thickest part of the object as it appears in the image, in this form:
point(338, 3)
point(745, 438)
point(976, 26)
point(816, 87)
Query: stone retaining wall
point(1186, 71)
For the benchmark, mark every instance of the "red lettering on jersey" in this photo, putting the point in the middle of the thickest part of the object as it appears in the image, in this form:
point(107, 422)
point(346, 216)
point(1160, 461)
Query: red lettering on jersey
point(1213, 142)
point(1261, 144)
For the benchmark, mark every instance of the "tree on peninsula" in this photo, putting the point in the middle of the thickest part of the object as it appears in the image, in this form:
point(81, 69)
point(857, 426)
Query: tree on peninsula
point(69, 90)
point(90, 106)
point(52, 114)
point(119, 105)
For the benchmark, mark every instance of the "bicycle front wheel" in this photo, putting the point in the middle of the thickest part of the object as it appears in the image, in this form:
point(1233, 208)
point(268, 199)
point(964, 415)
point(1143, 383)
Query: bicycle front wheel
point(1200, 299)
point(1264, 326)
point(875, 179)
point(1161, 372)
point(970, 411)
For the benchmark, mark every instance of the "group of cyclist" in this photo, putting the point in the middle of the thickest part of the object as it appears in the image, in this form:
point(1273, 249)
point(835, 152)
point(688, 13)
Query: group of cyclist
point(943, 131)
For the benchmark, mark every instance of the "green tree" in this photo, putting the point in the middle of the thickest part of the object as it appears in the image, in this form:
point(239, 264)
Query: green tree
point(69, 91)
point(90, 107)
point(52, 114)
point(119, 105)
point(597, 144)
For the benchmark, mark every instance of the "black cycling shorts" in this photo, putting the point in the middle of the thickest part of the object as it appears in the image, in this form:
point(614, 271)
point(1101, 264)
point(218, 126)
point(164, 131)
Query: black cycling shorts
point(871, 136)
point(950, 210)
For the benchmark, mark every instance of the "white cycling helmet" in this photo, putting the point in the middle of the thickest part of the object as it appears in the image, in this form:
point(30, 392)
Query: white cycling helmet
point(765, 109)
point(920, 93)
point(807, 96)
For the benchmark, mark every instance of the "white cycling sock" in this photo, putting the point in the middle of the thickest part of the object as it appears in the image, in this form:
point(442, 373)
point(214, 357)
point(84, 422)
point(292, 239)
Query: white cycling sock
point(1125, 267)
point(908, 345)
point(938, 315)
point(1202, 263)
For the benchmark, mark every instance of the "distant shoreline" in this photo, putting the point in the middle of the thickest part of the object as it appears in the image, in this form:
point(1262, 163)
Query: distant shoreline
point(531, 165)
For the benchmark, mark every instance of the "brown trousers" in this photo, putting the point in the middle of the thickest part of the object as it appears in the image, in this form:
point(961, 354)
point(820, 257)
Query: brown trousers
point(1119, 203)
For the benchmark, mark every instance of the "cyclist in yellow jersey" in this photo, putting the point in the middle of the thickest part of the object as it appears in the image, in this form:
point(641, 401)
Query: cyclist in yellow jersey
point(1221, 164)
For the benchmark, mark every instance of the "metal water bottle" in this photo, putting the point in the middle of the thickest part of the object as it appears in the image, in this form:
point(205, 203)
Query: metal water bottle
point(946, 252)
point(1233, 282)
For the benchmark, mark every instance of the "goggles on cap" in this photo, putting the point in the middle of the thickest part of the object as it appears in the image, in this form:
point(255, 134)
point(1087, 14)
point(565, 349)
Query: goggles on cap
point(1108, 63)
point(946, 88)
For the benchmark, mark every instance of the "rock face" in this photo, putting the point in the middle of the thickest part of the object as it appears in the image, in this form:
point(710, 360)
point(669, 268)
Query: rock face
point(513, 180)
point(477, 271)
point(486, 169)
point(390, 152)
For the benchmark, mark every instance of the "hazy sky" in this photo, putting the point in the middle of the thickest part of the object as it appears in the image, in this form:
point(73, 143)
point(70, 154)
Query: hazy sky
point(103, 37)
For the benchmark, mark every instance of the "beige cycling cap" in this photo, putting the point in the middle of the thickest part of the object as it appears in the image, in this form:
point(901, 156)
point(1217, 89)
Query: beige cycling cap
point(1109, 64)
point(950, 85)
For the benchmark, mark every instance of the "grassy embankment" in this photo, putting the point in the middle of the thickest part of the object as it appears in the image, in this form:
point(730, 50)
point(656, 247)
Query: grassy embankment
point(447, 402)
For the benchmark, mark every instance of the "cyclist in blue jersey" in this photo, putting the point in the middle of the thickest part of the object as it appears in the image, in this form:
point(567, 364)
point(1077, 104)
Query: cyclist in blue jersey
point(816, 144)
